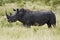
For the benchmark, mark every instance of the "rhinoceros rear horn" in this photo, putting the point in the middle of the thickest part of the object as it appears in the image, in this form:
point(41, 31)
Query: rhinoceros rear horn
point(10, 13)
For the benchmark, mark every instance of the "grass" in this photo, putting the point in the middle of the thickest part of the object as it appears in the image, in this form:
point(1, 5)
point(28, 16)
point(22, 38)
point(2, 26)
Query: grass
point(21, 33)
point(16, 31)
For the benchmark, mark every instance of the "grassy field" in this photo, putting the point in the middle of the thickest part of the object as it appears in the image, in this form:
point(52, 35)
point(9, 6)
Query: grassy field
point(16, 31)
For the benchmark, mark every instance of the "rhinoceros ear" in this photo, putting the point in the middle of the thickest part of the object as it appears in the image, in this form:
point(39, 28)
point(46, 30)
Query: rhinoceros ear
point(14, 9)
point(17, 10)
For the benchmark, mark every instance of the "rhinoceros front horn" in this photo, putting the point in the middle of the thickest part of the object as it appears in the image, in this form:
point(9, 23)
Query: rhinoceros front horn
point(8, 15)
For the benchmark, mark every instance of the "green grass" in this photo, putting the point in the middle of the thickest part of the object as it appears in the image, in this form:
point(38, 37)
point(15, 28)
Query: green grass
point(16, 31)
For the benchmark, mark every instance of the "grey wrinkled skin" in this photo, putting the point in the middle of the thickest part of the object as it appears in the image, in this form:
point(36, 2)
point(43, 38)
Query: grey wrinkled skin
point(29, 18)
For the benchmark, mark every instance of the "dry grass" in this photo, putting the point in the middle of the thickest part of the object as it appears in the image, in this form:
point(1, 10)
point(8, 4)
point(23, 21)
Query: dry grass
point(21, 33)
point(16, 31)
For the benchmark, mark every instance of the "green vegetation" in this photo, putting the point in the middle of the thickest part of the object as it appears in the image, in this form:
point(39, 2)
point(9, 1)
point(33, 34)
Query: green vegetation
point(16, 31)
point(52, 3)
